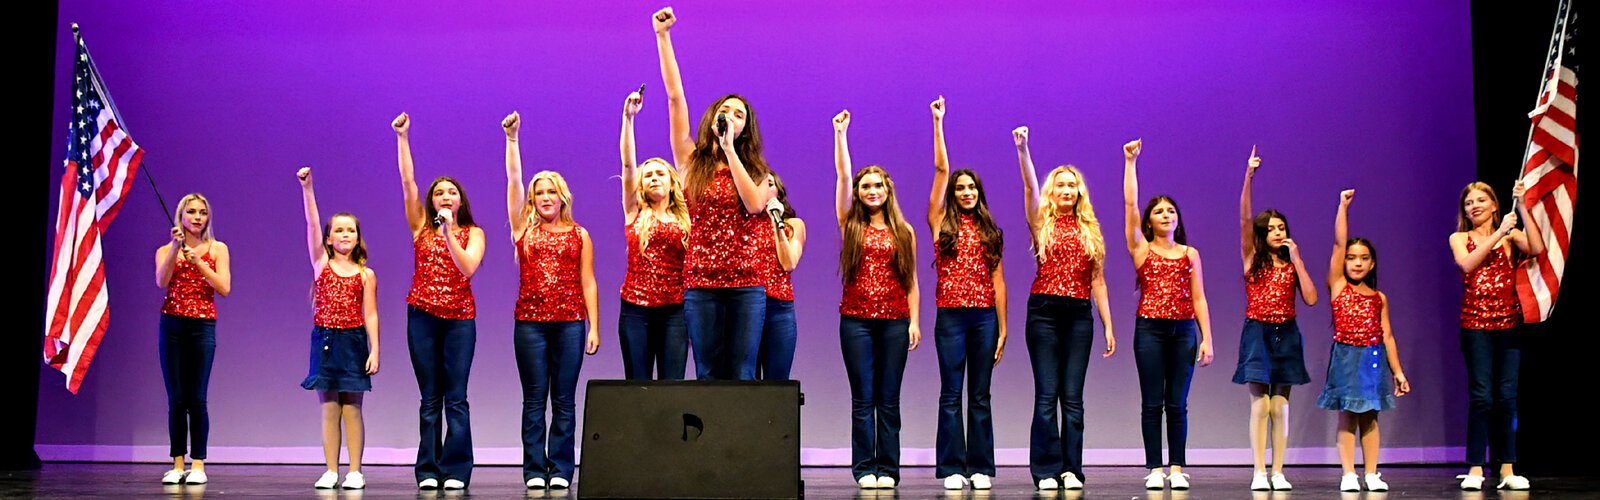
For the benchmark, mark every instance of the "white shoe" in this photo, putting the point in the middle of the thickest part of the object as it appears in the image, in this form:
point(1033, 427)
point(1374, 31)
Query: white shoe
point(558, 483)
point(981, 482)
point(1259, 482)
point(867, 482)
point(327, 481)
point(1375, 482)
point(536, 483)
point(1155, 481)
point(1280, 483)
point(1470, 482)
point(195, 477)
point(1070, 481)
point(1513, 482)
point(428, 484)
point(354, 481)
point(1180, 481)
point(454, 484)
point(954, 482)
point(173, 476)
point(885, 482)
point(1049, 484)
point(1349, 483)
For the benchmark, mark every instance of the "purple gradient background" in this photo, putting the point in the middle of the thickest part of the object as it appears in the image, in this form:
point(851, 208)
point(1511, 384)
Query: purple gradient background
point(230, 98)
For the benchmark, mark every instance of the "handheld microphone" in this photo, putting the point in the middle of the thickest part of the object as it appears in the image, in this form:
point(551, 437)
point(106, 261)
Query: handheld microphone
point(777, 215)
point(722, 124)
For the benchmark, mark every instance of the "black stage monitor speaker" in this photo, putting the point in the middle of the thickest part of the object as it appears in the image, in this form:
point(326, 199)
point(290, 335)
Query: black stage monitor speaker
point(691, 439)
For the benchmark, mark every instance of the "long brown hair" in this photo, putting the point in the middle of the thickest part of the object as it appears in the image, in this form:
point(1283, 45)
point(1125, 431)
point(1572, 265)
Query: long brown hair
point(1178, 235)
point(857, 220)
point(1262, 258)
point(463, 214)
point(358, 254)
point(707, 153)
point(950, 225)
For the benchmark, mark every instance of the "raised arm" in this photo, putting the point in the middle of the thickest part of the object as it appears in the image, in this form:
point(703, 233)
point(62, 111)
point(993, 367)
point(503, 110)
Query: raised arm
point(313, 222)
point(677, 107)
point(516, 196)
point(408, 181)
point(941, 170)
point(1130, 201)
point(1030, 180)
point(1340, 234)
point(1529, 240)
point(841, 165)
point(630, 159)
point(1247, 236)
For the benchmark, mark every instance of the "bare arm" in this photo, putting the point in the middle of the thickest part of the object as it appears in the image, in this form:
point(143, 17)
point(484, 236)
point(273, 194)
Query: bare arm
point(516, 196)
point(1308, 288)
point(941, 169)
point(630, 159)
point(913, 303)
point(1102, 304)
point(220, 277)
point(369, 310)
point(1401, 385)
point(1000, 309)
point(677, 107)
point(790, 244)
point(752, 195)
point(1202, 311)
point(1247, 237)
point(1030, 181)
point(1340, 232)
point(591, 302)
point(841, 165)
point(1529, 240)
point(408, 181)
point(319, 257)
point(466, 258)
point(167, 258)
point(1137, 247)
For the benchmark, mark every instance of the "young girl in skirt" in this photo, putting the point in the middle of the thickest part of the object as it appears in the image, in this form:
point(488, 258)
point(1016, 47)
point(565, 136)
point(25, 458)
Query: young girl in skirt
point(344, 342)
point(1364, 374)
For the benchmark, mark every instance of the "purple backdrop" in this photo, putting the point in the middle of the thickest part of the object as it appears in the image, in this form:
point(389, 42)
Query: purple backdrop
point(230, 98)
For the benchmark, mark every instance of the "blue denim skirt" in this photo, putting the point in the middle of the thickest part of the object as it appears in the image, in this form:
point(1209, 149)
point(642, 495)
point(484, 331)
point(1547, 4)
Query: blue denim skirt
point(1272, 354)
point(1359, 379)
point(338, 360)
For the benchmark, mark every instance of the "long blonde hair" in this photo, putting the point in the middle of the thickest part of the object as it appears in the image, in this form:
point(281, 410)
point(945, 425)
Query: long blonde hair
point(561, 190)
point(1464, 221)
point(1094, 242)
point(177, 215)
point(857, 220)
point(645, 219)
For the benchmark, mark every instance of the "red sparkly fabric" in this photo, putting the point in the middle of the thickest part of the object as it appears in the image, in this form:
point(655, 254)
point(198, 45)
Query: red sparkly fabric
point(655, 272)
point(1491, 299)
point(1065, 270)
point(965, 279)
point(338, 300)
point(1164, 287)
point(777, 283)
point(1357, 318)
point(722, 238)
point(437, 286)
point(188, 293)
point(1269, 294)
point(875, 293)
point(551, 284)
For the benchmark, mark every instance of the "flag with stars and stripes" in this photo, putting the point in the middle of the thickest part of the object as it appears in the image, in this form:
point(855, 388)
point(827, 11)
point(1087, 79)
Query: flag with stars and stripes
point(100, 163)
point(1550, 168)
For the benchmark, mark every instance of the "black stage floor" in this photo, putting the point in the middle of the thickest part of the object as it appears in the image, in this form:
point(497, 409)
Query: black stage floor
point(65, 480)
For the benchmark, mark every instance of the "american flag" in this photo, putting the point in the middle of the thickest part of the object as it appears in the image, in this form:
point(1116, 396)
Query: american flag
point(101, 160)
point(1550, 169)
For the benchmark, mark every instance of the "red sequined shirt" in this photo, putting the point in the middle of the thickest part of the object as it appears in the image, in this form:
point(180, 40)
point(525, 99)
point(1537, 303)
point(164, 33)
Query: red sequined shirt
point(551, 285)
point(437, 286)
point(875, 292)
point(1357, 318)
point(338, 299)
point(777, 283)
point(965, 279)
point(655, 272)
point(188, 293)
point(723, 238)
point(1066, 269)
point(1164, 287)
point(1490, 302)
point(1269, 294)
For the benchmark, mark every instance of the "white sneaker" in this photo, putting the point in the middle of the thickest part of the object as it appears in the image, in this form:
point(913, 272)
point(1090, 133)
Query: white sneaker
point(885, 482)
point(1280, 483)
point(536, 483)
point(559, 483)
point(867, 482)
point(981, 482)
point(1375, 482)
point(1349, 483)
point(173, 476)
point(1180, 481)
point(1470, 482)
point(354, 481)
point(1048, 484)
point(428, 484)
point(954, 482)
point(195, 477)
point(327, 481)
point(1155, 481)
point(1070, 481)
point(454, 484)
point(1513, 482)
point(1259, 482)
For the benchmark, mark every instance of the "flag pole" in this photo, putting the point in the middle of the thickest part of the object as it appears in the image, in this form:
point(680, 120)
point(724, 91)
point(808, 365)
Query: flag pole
point(167, 213)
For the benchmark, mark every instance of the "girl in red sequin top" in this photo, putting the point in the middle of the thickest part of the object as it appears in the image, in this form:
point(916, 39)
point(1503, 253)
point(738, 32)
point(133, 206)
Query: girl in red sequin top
point(780, 332)
point(1271, 353)
point(878, 310)
point(1490, 250)
point(555, 313)
point(1172, 306)
point(192, 267)
point(723, 167)
point(650, 322)
point(1364, 374)
point(344, 338)
point(441, 331)
point(1070, 251)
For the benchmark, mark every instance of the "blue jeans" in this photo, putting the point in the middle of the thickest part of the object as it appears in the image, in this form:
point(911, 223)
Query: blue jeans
point(1164, 350)
point(187, 346)
point(441, 355)
point(777, 340)
point(652, 336)
point(1494, 362)
point(549, 356)
point(875, 360)
point(725, 330)
point(1060, 334)
point(966, 338)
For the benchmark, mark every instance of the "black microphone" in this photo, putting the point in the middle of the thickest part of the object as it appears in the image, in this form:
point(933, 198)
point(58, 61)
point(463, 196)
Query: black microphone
point(722, 124)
